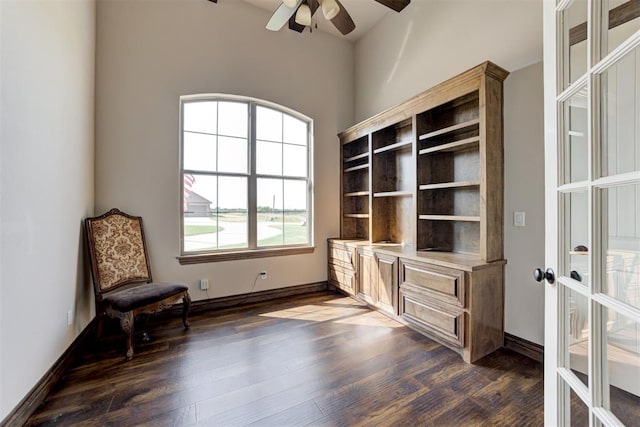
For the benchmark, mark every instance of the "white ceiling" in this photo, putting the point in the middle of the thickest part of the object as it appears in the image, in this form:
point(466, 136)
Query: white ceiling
point(365, 14)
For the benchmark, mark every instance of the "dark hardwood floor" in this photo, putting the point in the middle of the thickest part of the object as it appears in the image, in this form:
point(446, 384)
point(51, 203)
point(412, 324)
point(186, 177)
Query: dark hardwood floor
point(319, 359)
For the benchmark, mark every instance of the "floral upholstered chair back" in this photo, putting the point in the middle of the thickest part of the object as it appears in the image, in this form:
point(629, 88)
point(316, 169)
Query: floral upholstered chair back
point(118, 251)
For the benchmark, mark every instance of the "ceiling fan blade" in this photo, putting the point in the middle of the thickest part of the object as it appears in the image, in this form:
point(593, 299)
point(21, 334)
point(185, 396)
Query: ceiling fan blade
point(281, 16)
point(396, 5)
point(293, 25)
point(343, 21)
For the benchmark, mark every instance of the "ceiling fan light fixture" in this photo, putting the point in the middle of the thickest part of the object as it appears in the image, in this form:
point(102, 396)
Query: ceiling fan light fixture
point(290, 3)
point(330, 9)
point(303, 15)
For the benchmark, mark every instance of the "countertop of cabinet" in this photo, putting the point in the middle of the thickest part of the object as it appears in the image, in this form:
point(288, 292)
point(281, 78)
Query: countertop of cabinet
point(460, 261)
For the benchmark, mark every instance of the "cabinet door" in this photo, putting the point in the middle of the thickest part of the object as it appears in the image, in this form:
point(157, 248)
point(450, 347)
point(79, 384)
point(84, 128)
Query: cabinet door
point(341, 254)
point(342, 278)
point(366, 279)
point(387, 283)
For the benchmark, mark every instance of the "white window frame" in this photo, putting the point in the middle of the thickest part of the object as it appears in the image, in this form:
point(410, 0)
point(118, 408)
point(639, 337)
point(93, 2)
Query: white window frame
point(252, 251)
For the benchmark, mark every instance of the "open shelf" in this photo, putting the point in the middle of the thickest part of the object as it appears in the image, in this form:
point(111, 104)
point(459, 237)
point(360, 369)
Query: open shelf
point(449, 129)
point(445, 185)
point(449, 234)
point(392, 194)
point(357, 144)
point(464, 144)
point(356, 194)
point(450, 201)
point(450, 218)
point(393, 172)
point(355, 154)
point(392, 217)
point(393, 137)
point(449, 168)
point(356, 157)
point(356, 182)
point(355, 227)
point(396, 146)
point(362, 216)
point(355, 168)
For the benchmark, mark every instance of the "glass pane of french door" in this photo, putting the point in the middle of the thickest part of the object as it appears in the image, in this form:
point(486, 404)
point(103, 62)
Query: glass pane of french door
point(622, 366)
point(577, 334)
point(576, 241)
point(621, 243)
point(620, 91)
point(578, 413)
point(574, 41)
point(620, 20)
point(576, 132)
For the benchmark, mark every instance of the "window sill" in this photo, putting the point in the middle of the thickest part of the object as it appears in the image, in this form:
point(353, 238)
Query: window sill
point(237, 255)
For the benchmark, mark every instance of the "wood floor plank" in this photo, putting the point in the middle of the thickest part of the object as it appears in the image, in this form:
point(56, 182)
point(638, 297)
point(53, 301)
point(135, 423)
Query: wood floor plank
point(315, 359)
point(307, 411)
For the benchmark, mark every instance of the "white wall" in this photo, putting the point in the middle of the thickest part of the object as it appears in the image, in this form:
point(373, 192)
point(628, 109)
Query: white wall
point(524, 191)
point(151, 52)
point(47, 87)
point(433, 40)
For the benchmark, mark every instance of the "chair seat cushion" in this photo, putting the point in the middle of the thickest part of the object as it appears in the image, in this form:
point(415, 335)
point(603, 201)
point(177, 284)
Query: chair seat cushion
point(143, 294)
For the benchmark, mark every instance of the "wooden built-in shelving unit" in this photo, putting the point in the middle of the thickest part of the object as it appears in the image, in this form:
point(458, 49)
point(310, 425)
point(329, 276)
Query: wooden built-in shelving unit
point(421, 212)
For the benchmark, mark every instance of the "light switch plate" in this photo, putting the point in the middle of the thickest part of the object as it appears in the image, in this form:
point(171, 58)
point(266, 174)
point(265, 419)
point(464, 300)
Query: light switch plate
point(518, 219)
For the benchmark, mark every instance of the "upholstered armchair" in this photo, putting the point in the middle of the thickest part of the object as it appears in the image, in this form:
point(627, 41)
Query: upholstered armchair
point(122, 276)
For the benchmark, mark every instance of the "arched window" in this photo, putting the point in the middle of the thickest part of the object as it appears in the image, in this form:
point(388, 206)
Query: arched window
point(246, 168)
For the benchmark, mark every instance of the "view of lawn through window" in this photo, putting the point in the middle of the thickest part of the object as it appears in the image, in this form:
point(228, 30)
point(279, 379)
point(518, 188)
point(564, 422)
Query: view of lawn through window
point(220, 183)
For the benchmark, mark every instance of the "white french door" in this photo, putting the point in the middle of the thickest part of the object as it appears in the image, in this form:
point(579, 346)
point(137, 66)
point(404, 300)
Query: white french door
point(592, 250)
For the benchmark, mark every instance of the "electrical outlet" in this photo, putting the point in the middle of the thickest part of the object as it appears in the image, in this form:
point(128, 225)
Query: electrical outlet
point(69, 317)
point(204, 284)
point(263, 275)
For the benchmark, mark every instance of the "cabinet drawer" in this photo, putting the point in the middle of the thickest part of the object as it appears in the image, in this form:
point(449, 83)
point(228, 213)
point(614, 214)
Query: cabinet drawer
point(343, 278)
point(441, 324)
point(341, 254)
point(441, 283)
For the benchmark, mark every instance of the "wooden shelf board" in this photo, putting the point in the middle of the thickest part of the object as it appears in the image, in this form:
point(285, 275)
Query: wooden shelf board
point(358, 157)
point(361, 139)
point(392, 194)
point(450, 218)
point(396, 146)
point(453, 128)
point(445, 185)
point(463, 144)
point(355, 168)
point(356, 215)
point(356, 193)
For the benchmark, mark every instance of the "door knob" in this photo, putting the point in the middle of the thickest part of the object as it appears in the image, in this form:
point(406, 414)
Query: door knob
point(549, 275)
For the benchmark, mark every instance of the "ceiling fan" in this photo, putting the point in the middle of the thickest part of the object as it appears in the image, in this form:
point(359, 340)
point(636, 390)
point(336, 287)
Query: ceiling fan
point(298, 14)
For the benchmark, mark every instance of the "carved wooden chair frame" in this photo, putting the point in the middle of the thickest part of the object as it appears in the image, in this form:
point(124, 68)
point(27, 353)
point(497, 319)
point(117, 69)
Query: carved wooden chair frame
point(121, 274)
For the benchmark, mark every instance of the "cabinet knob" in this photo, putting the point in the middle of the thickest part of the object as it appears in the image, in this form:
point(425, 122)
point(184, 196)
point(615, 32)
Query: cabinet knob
point(549, 275)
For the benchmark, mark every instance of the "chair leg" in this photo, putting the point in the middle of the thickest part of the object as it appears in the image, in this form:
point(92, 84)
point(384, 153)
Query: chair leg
point(186, 303)
point(99, 324)
point(126, 323)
